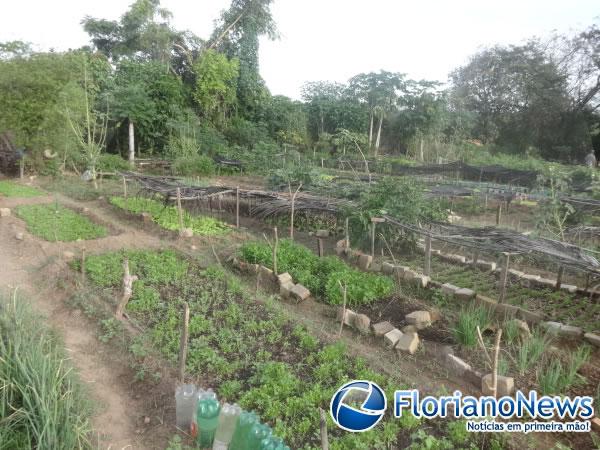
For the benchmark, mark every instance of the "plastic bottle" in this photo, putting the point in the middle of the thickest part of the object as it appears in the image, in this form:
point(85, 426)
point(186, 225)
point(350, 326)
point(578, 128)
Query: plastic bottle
point(207, 419)
point(246, 420)
point(200, 394)
point(227, 423)
point(258, 432)
point(185, 401)
point(273, 443)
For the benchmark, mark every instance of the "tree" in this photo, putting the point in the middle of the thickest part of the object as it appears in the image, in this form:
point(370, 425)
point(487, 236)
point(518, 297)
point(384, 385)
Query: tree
point(286, 120)
point(216, 85)
point(237, 35)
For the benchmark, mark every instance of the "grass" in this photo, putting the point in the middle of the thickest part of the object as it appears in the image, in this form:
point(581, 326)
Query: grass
point(245, 348)
point(168, 218)
point(530, 352)
point(41, 403)
point(11, 189)
point(465, 329)
point(58, 223)
point(558, 376)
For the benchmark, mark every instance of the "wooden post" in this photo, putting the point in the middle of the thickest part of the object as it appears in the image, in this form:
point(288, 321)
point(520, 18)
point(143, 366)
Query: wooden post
point(128, 281)
point(559, 277)
point(322, 163)
point(320, 247)
point(504, 278)
point(372, 238)
point(344, 294)
point(324, 438)
point(183, 343)
point(347, 232)
point(292, 212)
point(124, 188)
point(22, 167)
point(587, 283)
point(275, 245)
point(179, 210)
point(495, 365)
point(237, 206)
point(427, 268)
point(475, 258)
point(498, 213)
point(82, 261)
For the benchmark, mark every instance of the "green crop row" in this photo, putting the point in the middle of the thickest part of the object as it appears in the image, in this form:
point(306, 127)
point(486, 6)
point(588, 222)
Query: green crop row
point(57, 223)
point(324, 277)
point(10, 189)
point(168, 218)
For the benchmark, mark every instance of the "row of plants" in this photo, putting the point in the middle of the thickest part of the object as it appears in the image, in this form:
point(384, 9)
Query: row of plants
point(324, 277)
point(251, 353)
point(12, 189)
point(167, 217)
point(54, 222)
point(42, 404)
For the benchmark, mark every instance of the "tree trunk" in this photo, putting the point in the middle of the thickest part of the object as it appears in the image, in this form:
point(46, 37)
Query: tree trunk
point(378, 140)
point(131, 144)
point(371, 129)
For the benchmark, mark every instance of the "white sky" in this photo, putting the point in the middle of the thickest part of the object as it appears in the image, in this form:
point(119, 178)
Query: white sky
point(331, 39)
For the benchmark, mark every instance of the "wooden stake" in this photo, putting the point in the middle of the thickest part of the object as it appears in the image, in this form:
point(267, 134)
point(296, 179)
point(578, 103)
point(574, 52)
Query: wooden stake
point(179, 210)
point(498, 213)
point(344, 294)
point(292, 212)
point(373, 239)
point(237, 206)
point(559, 277)
point(128, 281)
point(83, 261)
point(320, 247)
point(475, 258)
point(427, 269)
point(504, 278)
point(587, 283)
point(183, 343)
point(347, 231)
point(124, 188)
point(324, 438)
point(22, 167)
point(495, 365)
point(275, 245)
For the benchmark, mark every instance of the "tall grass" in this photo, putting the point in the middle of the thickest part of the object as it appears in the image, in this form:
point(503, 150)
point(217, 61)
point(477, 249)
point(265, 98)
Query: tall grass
point(41, 404)
point(465, 330)
point(558, 377)
point(531, 350)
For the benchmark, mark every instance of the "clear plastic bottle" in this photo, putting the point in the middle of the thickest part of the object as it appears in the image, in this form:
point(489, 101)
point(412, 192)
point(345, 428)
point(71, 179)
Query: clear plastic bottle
point(246, 420)
point(227, 423)
point(207, 419)
point(185, 401)
point(258, 432)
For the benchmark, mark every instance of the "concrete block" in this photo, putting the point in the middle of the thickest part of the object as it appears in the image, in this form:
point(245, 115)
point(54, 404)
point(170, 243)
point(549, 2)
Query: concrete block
point(300, 293)
point(464, 294)
point(362, 323)
point(365, 261)
point(486, 266)
point(322, 233)
point(505, 385)
point(592, 338)
point(382, 328)
point(473, 376)
point(456, 365)
point(408, 342)
point(530, 316)
point(285, 289)
point(420, 280)
point(449, 289)
point(5, 212)
point(420, 319)
point(266, 274)
point(515, 273)
point(391, 338)
point(530, 280)
point(284, 278)
point(388, 268)
point(409, 275)
point(571, 331)
point(570, 288)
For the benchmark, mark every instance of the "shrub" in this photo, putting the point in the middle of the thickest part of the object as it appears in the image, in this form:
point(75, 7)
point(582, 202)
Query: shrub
point(112, 163)
point(194, 165)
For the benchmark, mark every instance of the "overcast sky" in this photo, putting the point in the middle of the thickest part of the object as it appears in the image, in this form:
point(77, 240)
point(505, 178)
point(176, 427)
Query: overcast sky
point(331, 39)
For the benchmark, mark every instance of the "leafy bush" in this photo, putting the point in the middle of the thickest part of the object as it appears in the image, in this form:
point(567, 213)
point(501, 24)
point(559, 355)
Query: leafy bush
point(320, 275)
point(168, 217)
point(194, 165)
point(112, 163)
point(57, 223)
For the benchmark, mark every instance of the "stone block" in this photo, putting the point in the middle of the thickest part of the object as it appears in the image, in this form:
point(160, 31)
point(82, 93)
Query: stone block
point(569, 331)
point(592, 338)
point(266, 274)
point(530, 316)
point(409, 275)
point(420, 319)
point(68, 255)
point(530, 280)
point(285, 289)
point(505, 310)
point(365, 261)
point(300, 293)
point(322, 233)
point(514, 273)
point(551, 327)
point(486, 266)
point(391, 338)
point(459, 259)
point(408, 342)
point(570, 288)
point(544, 283)
point(449, 289)
point(382, 328)
point(456, 365)
point(409, 329)
point(19, 236)
point(375, 267)
point(488, 302)
point(284, 278)
point(420, 280)
point(473, 376)
point(362, 323)
point(388, 268)
point(505, 385)
point(4, 212)
point(464, 294)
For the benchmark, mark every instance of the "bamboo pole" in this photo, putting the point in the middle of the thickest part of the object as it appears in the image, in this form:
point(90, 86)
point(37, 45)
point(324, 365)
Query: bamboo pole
point(324, 438)
point(183, 343)
point(179, 210)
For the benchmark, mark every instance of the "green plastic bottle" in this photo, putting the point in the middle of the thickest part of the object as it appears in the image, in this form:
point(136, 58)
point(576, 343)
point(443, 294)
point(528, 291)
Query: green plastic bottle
point(273, 443)
point(207, 418)
point(258, 432)
point(240, 436)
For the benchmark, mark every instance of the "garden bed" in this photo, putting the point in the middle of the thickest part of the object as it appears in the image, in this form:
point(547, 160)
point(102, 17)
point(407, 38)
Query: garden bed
point(252, 354)
point(55, 222)
point(12, 189)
